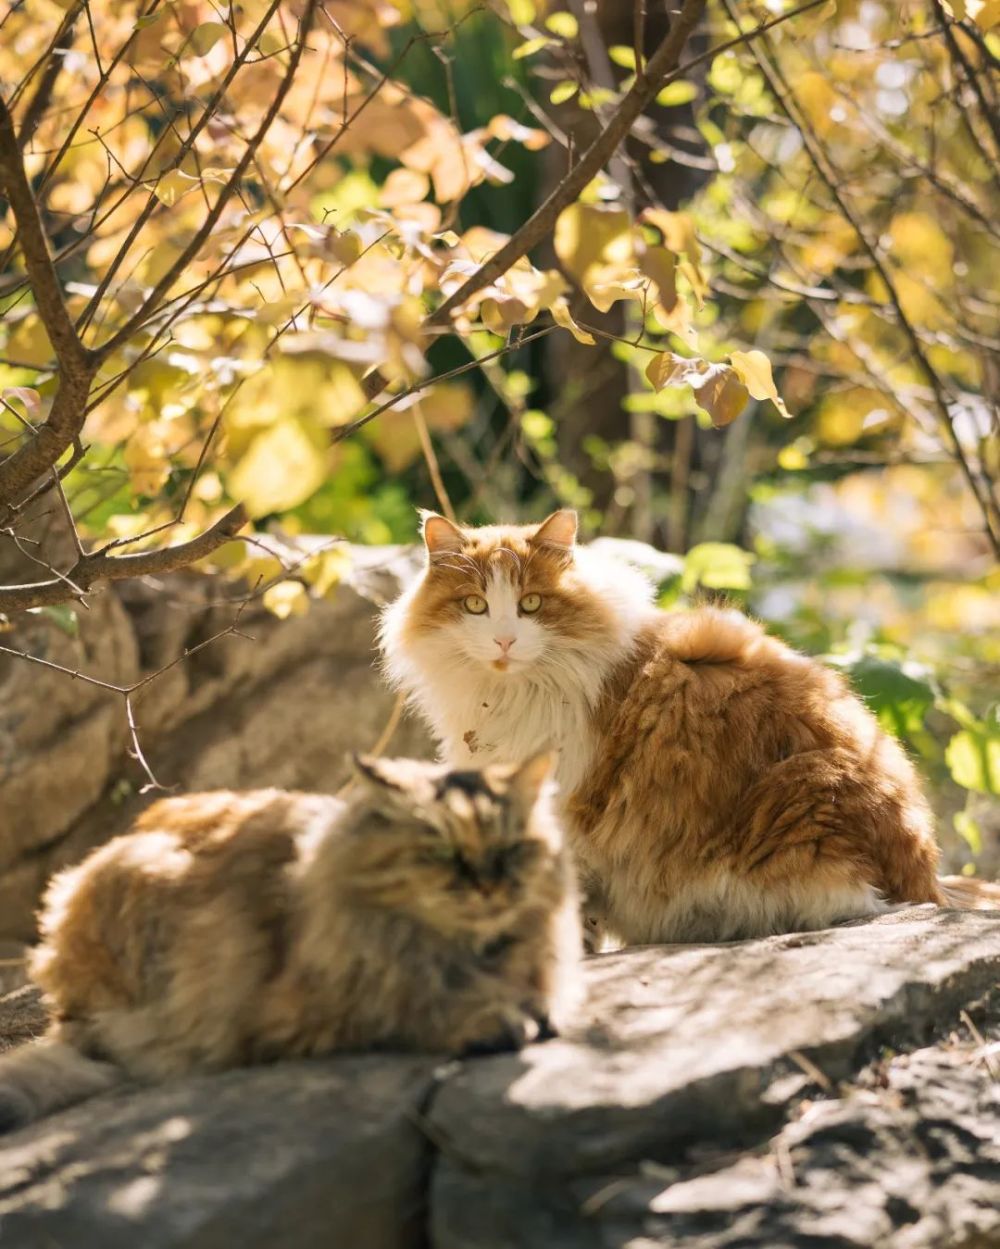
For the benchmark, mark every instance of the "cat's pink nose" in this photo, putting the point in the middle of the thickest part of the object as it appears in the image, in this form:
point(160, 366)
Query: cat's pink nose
point(505, 643)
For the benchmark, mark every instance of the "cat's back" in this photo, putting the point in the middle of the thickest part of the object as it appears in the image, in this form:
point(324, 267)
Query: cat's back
point(210, 864)
point(714, 661)
point(706, 702)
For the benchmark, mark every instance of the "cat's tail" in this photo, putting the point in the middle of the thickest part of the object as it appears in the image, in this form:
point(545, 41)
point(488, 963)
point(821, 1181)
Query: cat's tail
point(46, 1075)
point(967, 894)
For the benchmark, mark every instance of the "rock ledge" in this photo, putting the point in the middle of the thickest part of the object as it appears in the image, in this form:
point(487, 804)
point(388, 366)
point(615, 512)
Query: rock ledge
point(821, 1089)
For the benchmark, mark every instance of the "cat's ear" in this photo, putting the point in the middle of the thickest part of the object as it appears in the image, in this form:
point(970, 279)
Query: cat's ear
point(557, 530)
point(398, 788)
point(441, 537)
point(378, 773)
point(526, 781)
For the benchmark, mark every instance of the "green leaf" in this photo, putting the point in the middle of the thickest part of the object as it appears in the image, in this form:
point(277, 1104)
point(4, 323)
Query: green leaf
point(973, 758)
point(968, 829)
point(563, 91)
point(899, 699)
point(563, 24)
point(676, 93)
point(622, 55)
point(531, 46)
point(62, 616)
point(717, 566)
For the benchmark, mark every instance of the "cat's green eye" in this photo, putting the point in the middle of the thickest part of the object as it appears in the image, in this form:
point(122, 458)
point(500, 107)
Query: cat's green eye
point(476, 604)
point(530, 603)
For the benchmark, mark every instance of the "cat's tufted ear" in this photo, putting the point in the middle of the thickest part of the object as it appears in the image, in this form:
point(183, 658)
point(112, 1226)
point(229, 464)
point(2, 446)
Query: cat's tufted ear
point(440, 536)
point(396, 787)
point(379, 773)
point(525, 781)
point(558, 530)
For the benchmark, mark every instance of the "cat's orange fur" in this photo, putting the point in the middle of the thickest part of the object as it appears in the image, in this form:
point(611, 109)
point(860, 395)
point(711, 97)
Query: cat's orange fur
point(434, 911)
point(716, 784)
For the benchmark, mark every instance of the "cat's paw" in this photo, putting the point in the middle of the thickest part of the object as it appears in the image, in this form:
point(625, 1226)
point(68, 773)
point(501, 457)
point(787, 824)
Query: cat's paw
point(15, 1109)
point(594, 934)
point(506, 1037)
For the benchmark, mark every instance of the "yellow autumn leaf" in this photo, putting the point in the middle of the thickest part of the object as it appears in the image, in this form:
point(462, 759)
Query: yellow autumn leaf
point(27, 341)
point(678, 230)
point(722, 395)
point(501, 315)
point(754, 370)
point(660, 266)
point(590, 234)
point(563, 317)
point(668, 369)
point(677, 93)
point(404, 186)
point(283, 465)
point(345, 246)
point(507, 129)
point(174, 185)
point(988, 15)
point(327, 569)
point(395, 436)
point(287, 598)
point(563, 24)
point(146, 459)
point(448, 406)
point(818, 100)
point(204, 37)
point(919, 245)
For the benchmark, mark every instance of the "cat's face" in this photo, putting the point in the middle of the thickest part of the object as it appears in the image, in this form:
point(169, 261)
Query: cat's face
point(507, 600)
point(461, 851)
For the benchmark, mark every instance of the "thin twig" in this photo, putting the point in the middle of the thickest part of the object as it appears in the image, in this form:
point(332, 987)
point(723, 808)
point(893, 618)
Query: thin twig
point(100, 566)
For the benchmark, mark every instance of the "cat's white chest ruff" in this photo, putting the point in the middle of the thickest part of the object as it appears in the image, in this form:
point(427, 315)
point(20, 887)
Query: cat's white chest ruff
point(508, 724)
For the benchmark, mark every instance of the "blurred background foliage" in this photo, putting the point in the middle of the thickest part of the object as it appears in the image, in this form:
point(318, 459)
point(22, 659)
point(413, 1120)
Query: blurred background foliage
point(826, 194)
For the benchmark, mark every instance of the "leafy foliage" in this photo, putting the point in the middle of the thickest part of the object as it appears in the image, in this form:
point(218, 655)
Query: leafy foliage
point(763, 335)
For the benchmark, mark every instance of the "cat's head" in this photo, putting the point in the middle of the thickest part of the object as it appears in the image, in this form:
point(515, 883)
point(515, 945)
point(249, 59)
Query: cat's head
point(463, 852)
point(512, 601)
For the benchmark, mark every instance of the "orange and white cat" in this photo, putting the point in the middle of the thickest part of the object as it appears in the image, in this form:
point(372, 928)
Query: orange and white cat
point(715, 784)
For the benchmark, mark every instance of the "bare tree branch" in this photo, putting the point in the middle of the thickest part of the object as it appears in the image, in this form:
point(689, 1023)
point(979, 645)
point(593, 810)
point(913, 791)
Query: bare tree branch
point(35, 111)
point(152, 203)
point(100, 566)
point(76, 364)
point(225, 194)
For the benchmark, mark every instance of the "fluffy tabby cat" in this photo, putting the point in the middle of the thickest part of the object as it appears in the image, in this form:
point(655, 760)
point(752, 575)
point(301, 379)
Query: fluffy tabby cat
point(435, 911)
point(715, 783)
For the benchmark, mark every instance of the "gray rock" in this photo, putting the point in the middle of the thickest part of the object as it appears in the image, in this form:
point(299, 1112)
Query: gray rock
point(827, 1090)
point(22, 1017)
point(301, 1156)
point(683, 1047)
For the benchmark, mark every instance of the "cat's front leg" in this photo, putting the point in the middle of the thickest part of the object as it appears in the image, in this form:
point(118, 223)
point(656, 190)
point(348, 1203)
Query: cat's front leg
point(593, 912)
